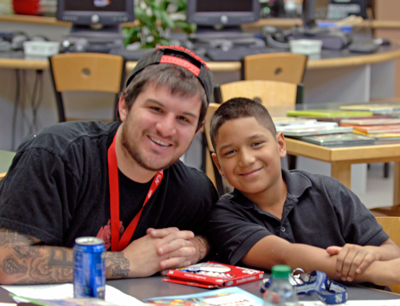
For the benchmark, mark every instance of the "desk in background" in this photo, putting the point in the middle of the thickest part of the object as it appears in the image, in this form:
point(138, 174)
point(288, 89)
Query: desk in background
point(336, 76)
point(340, 159)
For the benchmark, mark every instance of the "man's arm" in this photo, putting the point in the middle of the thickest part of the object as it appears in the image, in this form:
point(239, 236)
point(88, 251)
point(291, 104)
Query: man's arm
point(272, 250)
point(23, 260)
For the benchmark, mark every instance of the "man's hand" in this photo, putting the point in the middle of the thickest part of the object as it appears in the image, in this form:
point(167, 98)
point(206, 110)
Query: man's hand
point(159, 250)
point(353, 259)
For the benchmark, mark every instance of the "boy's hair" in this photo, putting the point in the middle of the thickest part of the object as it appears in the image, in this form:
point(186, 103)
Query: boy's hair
point(178, 79)
point(236, 108)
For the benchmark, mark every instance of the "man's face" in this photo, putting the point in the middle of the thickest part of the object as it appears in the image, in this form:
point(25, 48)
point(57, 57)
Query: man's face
point(159, 127)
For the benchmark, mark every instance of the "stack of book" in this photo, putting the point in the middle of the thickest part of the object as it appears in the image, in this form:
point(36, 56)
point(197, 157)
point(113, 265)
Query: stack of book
point(392, 109)
point(328, 134)
point(382, 130)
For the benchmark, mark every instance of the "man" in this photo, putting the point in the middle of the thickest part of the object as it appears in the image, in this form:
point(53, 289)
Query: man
point(120, 181)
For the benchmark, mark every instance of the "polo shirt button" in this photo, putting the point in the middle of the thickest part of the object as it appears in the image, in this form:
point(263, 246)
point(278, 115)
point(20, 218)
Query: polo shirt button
point(283, 229)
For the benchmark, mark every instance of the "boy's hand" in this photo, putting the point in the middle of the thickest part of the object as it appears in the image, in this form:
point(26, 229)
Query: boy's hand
point(352, 259)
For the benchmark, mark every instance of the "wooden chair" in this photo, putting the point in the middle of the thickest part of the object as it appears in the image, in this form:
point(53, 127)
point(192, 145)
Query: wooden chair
point(283, 67)
point(268, 93)
point(86, 72)
point(391, 225)
point(210, 169)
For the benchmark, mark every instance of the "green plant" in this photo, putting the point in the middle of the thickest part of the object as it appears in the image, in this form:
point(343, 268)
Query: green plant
point(156, 18)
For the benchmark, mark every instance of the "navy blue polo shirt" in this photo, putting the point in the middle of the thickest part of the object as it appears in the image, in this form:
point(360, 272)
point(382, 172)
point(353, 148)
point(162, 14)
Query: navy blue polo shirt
point(318, 211)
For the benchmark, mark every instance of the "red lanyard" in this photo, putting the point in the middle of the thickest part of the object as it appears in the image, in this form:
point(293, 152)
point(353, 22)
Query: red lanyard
point(116, 243)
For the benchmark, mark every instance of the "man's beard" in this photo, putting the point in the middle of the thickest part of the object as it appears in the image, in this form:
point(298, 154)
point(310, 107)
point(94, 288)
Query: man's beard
point(134, 153)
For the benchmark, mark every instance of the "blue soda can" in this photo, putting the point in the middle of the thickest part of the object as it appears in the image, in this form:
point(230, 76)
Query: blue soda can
point(89, 268)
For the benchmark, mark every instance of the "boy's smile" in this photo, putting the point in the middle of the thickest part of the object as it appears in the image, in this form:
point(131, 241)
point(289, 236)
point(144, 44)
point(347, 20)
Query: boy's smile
point(248, 155)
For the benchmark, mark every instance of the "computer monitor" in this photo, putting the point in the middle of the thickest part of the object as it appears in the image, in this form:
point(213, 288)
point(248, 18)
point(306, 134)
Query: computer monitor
point(312, 10)
point(95, 18)
point(222, 14)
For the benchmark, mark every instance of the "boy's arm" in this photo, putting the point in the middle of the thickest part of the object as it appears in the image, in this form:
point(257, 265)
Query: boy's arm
point(352, 258)
point(272, 250)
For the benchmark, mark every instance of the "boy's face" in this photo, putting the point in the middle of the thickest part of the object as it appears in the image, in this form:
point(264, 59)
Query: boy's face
point(159, 127)
point(248, 155)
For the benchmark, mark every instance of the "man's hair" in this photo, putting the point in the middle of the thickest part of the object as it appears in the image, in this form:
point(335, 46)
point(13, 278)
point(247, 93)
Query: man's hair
point(178, 79)
point(236, 108)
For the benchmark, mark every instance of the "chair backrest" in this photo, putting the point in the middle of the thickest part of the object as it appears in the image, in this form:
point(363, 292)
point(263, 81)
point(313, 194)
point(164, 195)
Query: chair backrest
point(268, 93)
point(391, 225)
point(211, 169)
point(86, 72)
point(283, 67)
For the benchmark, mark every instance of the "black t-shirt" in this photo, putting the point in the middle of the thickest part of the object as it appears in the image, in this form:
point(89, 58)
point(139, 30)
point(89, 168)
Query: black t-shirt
point(57, 189)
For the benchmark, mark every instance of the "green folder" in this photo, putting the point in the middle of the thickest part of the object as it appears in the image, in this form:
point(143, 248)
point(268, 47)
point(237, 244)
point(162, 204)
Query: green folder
point(6, 158)
point(327, 113)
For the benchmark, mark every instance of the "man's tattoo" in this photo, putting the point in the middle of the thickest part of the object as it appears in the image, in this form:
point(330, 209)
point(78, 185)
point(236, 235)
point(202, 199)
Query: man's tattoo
point(60, 258)
point(25, 251)
point(117, 265)
point(11, 266)
point(29, 263)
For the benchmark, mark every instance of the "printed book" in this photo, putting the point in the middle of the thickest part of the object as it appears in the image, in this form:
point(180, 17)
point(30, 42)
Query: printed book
point(213, 275)
point(377, 108)
point(384, 138)
point(378, 129)
point(285, 121)
point(62, 302)
point(220, 297)
point(307, 130)
point(382, 121)
point(328, 113)
point(340, 140)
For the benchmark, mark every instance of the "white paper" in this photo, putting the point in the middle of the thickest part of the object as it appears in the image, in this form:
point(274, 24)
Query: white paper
point(61, 291)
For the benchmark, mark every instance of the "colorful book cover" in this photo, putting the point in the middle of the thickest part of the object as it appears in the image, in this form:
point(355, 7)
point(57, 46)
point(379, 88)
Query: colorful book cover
point(339, 140)
point(373, 107)
point(381, 121)
point(372, 129)
point(313, 130)
point(379, 135)
point(213, 275)
point(221, 297)
point(62, 302)
point(327, 113)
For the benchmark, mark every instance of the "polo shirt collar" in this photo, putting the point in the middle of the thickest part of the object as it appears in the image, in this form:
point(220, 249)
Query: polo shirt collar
point(297, 183)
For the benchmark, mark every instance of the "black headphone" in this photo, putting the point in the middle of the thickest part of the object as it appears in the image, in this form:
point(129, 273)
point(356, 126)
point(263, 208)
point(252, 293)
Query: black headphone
point(276, 38)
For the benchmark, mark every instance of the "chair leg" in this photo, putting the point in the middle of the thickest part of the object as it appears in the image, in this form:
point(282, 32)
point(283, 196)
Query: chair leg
point(292, 161)
point(386, 169)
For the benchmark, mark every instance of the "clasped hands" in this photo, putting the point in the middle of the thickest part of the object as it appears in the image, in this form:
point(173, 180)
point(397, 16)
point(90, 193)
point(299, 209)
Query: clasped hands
point(161, 249)
point(353, 259)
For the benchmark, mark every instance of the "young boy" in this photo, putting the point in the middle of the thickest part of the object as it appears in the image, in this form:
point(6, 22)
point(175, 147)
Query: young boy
point(275, 216)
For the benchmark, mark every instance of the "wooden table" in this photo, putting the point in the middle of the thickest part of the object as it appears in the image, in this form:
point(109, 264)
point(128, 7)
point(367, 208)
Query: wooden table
point(341, 159)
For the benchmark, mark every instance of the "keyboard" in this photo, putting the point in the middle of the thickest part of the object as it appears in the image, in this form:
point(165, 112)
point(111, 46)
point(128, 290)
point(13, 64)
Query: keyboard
point(237, 53)
point(363, 47)
point(130, 55)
